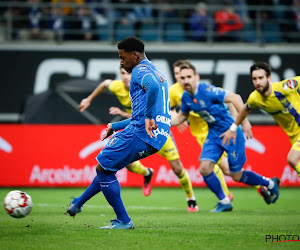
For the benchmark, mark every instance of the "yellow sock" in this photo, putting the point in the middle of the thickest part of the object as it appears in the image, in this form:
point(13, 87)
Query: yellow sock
point(220, 176)
point(185, 183)
point(137, 167)
point(256, 186)
point(297, 168)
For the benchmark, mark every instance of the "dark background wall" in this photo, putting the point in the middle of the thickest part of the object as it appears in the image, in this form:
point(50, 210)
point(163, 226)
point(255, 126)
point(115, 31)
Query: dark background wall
point(25, 72)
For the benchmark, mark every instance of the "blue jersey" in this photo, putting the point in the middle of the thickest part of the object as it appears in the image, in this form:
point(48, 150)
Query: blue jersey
point(161, 110)
point(208, 102)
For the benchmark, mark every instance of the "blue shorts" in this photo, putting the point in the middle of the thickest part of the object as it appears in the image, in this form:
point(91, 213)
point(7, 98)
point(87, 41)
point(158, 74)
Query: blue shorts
point(213, 149)
point(123, 149)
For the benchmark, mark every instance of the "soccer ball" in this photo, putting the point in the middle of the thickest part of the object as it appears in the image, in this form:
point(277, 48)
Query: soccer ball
point(18, 204)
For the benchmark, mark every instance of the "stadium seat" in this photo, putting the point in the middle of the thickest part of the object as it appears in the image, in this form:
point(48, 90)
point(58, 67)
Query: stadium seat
point(149, 32)
point(249, 33)
point(103, 33)
point(174, 32)
point(122, 31)
point(271, 33)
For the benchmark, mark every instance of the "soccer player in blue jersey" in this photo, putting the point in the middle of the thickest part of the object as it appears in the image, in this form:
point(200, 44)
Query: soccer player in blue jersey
point(209, 102)
point(143, 134)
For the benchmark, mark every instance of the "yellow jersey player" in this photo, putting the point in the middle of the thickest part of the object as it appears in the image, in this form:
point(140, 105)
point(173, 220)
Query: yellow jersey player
point(281, 100)
point(168, 151)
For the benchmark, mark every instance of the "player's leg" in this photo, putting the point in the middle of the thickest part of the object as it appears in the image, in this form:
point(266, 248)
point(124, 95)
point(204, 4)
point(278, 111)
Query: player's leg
point(220, 169)
point(138, 168)
point(185, 183)
point(94, 188)
point(213, 183)
point(210, 154)
point(252, 178)
point(236, 160)
point(116, 155)
point(170, 152)
point(294, 156)
point(112, 191)
point(77, 203)
point(262, 190)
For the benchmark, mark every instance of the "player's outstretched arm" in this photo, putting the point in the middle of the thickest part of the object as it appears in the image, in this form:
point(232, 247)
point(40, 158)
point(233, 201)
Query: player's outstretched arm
point(117, 111)
point(246, 126)
point(178, 118)
point(86, 102)
point(231, 132)
point(183, 126)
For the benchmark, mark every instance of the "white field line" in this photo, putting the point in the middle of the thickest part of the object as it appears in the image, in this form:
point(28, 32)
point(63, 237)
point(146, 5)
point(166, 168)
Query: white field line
point(107, 206)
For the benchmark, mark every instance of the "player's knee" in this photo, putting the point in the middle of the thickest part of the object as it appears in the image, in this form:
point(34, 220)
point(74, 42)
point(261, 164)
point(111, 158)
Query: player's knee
point(224, 166)
point(176, 166)
point(225, 169)
point(293, 161)
point(236, 176)
point(205, 170)
point(99, 168)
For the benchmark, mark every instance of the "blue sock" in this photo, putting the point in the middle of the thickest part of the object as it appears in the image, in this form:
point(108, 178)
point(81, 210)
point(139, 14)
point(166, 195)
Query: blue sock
point(251, 178)
point(111, 189)
point(93, 189)
point(214, 185)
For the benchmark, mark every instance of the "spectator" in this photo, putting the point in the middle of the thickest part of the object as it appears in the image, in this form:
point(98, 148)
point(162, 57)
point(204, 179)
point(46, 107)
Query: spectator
point(296, 21)
point(167, 13)
point(97, 13)
point(228, 24)
point(87, 25)
point(143, 13)
point(56, 24)
point(198, 22)
point(241, 8)
point(143, 10)
point(99, 18)
point(259, 12)
point(16, 15)
point(35, 16)
point(125, 13)
point(66, 5)
point(285, 17)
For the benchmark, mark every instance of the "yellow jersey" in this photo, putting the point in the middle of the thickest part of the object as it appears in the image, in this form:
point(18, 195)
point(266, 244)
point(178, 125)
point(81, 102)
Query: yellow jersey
point(283, 104)
point(198, 126)
point(117, 87)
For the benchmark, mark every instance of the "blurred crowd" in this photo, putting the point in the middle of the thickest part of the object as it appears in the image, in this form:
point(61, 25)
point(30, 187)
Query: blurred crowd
point(152, 20)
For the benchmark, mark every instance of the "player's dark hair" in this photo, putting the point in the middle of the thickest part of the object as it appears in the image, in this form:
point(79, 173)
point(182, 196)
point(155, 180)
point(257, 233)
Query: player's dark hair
point(178, 63)
point(188, 66)
point(261, 65)
point(131, 43)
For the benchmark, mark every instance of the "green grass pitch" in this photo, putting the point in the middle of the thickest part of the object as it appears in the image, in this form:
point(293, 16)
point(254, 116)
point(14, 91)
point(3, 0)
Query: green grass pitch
point(161, 221)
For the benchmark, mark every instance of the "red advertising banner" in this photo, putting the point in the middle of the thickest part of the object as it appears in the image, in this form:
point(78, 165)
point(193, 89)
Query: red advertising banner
point(64, 155)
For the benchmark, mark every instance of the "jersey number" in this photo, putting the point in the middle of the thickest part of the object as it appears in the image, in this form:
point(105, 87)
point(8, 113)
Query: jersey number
point(166, 102)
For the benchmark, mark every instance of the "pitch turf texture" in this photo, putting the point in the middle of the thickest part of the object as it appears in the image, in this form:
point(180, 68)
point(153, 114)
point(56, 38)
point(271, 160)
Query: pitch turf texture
point(161, 221)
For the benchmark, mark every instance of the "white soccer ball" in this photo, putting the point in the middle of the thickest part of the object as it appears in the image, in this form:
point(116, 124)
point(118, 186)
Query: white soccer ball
point(18, 204)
